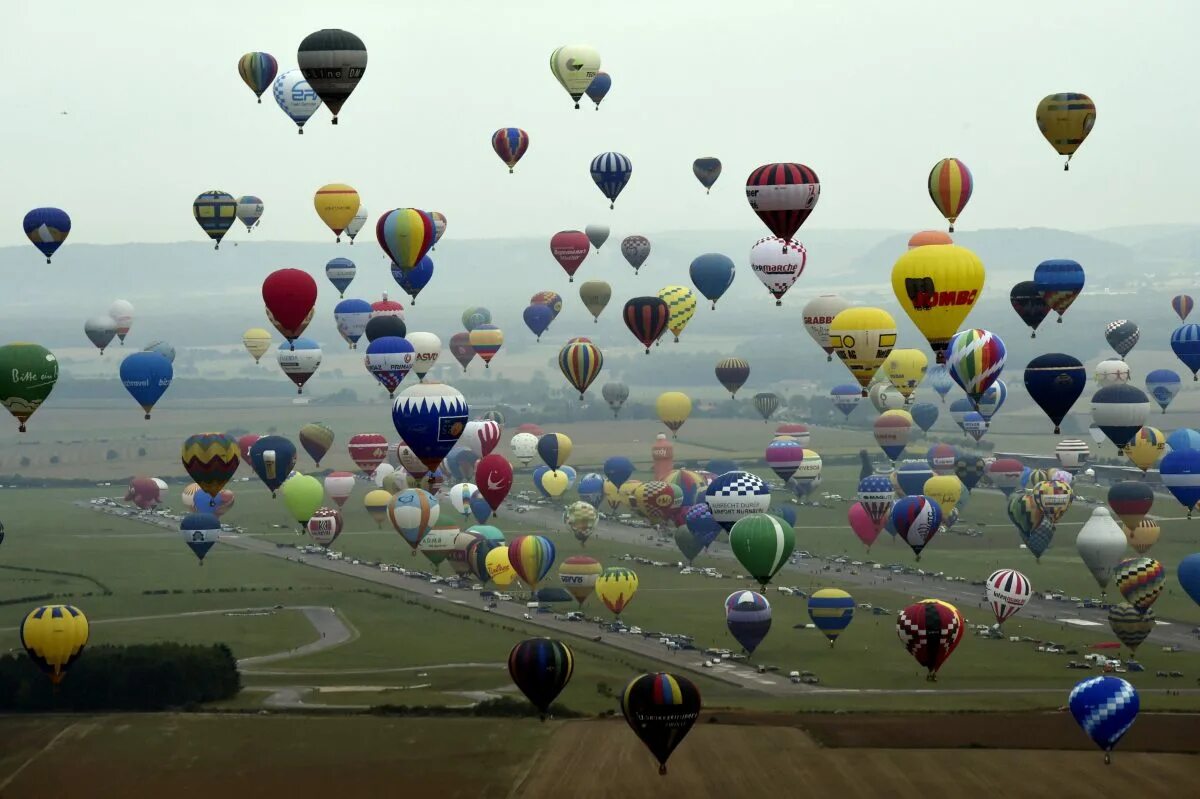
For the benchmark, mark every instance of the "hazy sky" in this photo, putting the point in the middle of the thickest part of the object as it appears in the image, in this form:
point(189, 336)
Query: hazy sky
point(869, 94)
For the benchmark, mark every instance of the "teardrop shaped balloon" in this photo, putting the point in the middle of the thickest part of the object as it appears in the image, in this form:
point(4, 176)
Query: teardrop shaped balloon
point(333, 61)
point(541, 668)
point(510, 145)
point(215, 211)
point(783, 195)
point(661, 709)
point(580, 363)
point(1029, 303)
point(575, 66)
point(290, 296)
point(950, 187)
point(405, 235)
point(937, 287)
point(862, 338)
point(1065, 120)
point(930, 630)
point(336, 204)
point(28, 373)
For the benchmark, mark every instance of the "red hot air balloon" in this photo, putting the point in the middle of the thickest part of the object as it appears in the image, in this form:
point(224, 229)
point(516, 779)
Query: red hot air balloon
point(783, 195)
point(569, 248)
point(493, 478)
point(461, 349)
point(368, 450)
point(646, 318)
point(930, 630)
point(245, 443)
point(290, 296)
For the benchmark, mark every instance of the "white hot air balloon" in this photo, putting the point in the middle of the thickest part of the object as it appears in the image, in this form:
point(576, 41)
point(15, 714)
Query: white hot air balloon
point(426, 348)
point(1101, 544)
point(818, 313)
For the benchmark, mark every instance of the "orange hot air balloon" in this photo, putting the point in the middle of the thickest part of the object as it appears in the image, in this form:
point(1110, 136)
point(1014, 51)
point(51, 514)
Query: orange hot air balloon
point(662, 452)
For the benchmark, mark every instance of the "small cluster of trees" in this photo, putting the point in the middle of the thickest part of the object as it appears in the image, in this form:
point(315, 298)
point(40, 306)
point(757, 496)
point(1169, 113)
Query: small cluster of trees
point(143, 677)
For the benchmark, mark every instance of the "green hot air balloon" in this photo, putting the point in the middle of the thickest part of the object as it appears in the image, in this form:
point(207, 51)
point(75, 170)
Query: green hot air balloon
point(302, 495)
point(762, 543)
point(688, 545)
point(28, 373)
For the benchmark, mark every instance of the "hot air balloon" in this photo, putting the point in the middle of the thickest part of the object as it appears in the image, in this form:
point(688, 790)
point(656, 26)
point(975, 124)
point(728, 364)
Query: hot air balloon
point(916, 519)
point(925, 238)
point(611, 173)
point(1131, 500)
point(1163, 385)
point(1130, 625)
point(1005, 474)
point(884, 396)
point(1060, 281)
point(100, 330)
point(778, 264)
point(430, 417)
point(818, 313)
point(1030, 304)
point(367, 450)
point(707, 170)
point(273, 458)
point(405, 235)
point(541, 668)
point(146, 376)
point(299, 360)
point(905, 369)
point(316, 438)
point(1054, 381)
point(376, 503)
point(339, 486)
point(333, 62)
point(1145, 448)
point(732, 373)
point(930, 630)
point(302, 496)
point(1140, 581)
point(595, 295)
point(1180, 473)
point(762, 543)
point(831, 611)
point(249, 210)
point(682, 304)
point(784, 455)
point(950, 187)
point(1007, 591)
point(945, 490)
point(1112, 372)
point(846, 398)
point(570, 248)
point(636, 249)
point(597, 235)
point(646, 318)
point(734, 495)
point(295, 97)
point(783, 196)
point(210, 459)
point(892, 432)
point(340, 272)
point(290, 296)
point(580, 363)
point(54, 637)
point(862, 338)
point(937, 287)
point(486, 340)
point(413, 513)
point(924, 414)
point(748, 617)
point(531, 557)
point(215, 212)
point(975, 359)
point(875, 497)
point(1066, 119)
point(1101, 544)
point(47, 229)
point(598, 88)
point(661, 708)
point(575, 67)
point(1120, 411)
point(579, 574)
point(673, 409)
point(325, 526)
point(1185, 342)
point(766, 403)
point(336, 204)
point(1105, 707)
point(510, 144)
point(1182, 304)
point(616, 588)
point(1122, 335)
point(863, 526)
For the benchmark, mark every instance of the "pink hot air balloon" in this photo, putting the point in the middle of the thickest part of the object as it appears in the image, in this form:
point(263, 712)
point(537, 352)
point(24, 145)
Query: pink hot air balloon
point(339, 486)
point(569, 248)
point(866, 528)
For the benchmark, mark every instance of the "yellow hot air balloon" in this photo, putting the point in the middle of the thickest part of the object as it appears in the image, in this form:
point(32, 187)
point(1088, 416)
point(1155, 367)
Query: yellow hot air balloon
point(682, 303)
point(575, 65)
point(256, 341)
point(937, 287)
point(1144, 536)
point(613, 496)
point(1065, 120)
point(54, 637)
point(554, 482)
point(905, 369)
point(499, 567)
point(1146, 447)
point(616, 588)
point(336, 204)
point(376, 503)
point(944, 489)
point(595, 295)
point(674, 408)
point(863, 338)
point(628, 489)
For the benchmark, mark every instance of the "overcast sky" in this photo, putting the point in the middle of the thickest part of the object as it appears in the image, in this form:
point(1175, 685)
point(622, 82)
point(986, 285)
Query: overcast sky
point(869, 94)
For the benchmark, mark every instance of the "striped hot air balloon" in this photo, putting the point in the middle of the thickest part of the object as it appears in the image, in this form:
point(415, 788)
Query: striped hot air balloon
point(405, 235)
point(831, 610)
point(975, 359)
point(661, 709)
point(748, 617)
point(1182, 304)
point(215, 211)
point(647, 318)
point(510, 144)
point(580, 362)
point(531, 557)
point(541, 668)
point(413, 512)
point(1065, 120)
point(611, 172)
point(258, 71)
point(1130, 625)
point(783, 196)
point(1007, 591)
point(950, 187)
point(1140, 581)
point(486, 339)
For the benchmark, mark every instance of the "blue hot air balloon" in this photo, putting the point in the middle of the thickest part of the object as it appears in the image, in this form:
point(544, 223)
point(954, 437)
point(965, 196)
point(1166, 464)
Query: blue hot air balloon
point(925, 414)
point(610, 173)
point(618, 469)
point(1180, 473)
point(846, 398)
point(1163, 385)
point(1183, 438)
point(748, 615)
point(785, 512)
point(1188, 574)
point(146, 376)
point(430, 417)
point(480, 509)
point(415, 279)
point(992, 400)
point(707, 170)
point(959, 410)
point(1105, 707)
point(1182, 305)
point(47, 229)
point(701, 524)
point(911, 477)
point(203, 499)
point(340, 272)
point(938, 378)
point(539, 473)
point(598, 88)
point(591, 489)
point(537, 318)
point(351, 317)
point(831, 610)
point(1185, 341)
point(1059, 281)
point(273, 458)
point(712, 274)
point(1054, 381)
point(200, 531)
point(389, 359)
point(916, 519)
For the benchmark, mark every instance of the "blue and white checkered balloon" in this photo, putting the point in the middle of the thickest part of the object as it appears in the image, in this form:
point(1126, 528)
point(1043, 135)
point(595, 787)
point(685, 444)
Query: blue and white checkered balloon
point(1105, 707)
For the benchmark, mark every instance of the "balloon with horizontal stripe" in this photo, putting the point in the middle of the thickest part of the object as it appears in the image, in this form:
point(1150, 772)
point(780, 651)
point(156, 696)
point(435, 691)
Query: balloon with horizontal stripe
point(661, 709)
point(783, 196)
point(831, 611)
point(333, 61)
point(748, 617)
point(215, 212)
point(1065, 120)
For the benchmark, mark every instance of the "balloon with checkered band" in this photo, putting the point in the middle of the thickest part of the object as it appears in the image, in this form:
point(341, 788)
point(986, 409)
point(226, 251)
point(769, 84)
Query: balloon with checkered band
point(930, 630)
point(1105, 707)
point(736, 494)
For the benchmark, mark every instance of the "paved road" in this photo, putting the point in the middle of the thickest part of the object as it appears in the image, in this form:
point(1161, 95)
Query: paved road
point(325, 621)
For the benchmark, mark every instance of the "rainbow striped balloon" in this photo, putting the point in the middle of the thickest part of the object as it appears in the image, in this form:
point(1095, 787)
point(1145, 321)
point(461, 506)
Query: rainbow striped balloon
point(405, 235)
point(975, 359)
point(531, 557)
point(950, 186)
